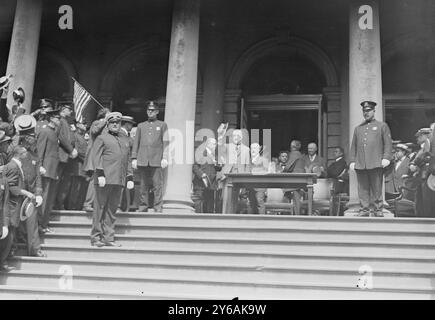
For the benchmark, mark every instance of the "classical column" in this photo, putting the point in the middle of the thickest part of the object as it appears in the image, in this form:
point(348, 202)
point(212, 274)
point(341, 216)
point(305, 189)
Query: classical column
point(214, 79)
point(180, 103)
point(365, 79)
point(23, 51)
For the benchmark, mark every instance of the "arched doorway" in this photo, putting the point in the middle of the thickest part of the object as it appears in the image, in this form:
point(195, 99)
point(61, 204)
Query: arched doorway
point(282, 85)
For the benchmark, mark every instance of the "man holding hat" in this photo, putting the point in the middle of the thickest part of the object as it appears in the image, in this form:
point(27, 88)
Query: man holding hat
point(112, 172)
point(370, 152)
point(150, 156)
point(48, 152)
point(4, 88)
point(394, 181)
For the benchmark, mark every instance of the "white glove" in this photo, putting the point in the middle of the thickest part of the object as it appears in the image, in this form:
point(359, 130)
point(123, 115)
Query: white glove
point(385, 163)
point(42, 170)
point(130, 185)
point(101, 181)
point(74, 153)
point(352, 166)
point(164, 163)
point(134, 164)
point(5, 232)
point(38, 200)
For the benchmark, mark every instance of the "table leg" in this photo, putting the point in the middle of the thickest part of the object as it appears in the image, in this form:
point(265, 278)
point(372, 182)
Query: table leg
point(227, 205)
point(310, 199)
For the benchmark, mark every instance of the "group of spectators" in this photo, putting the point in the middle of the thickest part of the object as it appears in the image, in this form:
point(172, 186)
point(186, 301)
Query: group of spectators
point(215, 158)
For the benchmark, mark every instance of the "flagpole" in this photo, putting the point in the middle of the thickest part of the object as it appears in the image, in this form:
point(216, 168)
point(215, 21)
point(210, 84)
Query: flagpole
point(89, 93)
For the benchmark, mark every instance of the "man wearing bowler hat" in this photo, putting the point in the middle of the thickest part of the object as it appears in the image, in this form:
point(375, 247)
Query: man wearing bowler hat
point(370, 152)
point(150, 157)
point(112, 172)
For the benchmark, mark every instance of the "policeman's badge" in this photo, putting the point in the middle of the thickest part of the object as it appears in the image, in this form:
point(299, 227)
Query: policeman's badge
point(158, 128)
point(2, 187)
point(375, 128)
point(34, 162)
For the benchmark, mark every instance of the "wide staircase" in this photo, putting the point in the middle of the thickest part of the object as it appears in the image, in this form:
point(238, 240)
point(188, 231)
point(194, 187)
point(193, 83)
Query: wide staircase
point(214, 256)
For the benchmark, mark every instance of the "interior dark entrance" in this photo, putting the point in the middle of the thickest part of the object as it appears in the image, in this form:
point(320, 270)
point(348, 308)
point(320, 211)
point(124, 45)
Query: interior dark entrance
point(286, 126)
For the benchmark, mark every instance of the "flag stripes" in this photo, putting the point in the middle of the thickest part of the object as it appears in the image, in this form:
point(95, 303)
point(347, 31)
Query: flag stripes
point(81, 100)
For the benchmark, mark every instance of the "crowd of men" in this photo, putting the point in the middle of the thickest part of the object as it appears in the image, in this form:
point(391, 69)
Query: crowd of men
point(49, 160)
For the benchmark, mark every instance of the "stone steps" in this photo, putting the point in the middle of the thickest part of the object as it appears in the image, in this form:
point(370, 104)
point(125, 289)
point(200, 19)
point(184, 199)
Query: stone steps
point(196, 256)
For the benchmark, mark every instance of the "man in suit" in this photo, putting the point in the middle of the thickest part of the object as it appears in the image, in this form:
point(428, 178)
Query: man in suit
point(282, 161)
point(259, 165)
point(5, 237)
point(127, 123)
point(67, 152)
point(313, 163)
point(370, 152)
point(112, 172)
point(32, 182)
point(18, 183)
point(150, 157)
point(338, 171)
point(79, 182)
point(204, 176)
point(394, 181)
point(48, 152)
point(295, 164)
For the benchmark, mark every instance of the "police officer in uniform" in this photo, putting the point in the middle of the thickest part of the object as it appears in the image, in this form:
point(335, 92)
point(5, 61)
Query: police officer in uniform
point(112, 172)
point(370, 152)
point(150, 157)
point(48, 152)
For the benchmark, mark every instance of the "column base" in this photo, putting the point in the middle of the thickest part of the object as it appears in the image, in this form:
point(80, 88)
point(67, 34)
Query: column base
point(178, 206)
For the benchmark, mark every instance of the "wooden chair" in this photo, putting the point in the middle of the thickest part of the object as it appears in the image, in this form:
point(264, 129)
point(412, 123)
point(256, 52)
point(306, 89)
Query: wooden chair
point(276, 203)
point(322, 197)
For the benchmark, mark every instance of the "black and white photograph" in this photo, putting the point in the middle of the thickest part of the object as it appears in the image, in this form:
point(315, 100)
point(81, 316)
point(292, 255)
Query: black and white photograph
point(237, 151)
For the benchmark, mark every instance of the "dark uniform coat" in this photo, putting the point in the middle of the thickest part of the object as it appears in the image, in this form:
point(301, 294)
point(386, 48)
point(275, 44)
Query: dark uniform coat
point(48, 151)
point(66, 140)
point(394, 180)
point(371, 143)
point(149, 147)
point(112, 158)
point(16, 184)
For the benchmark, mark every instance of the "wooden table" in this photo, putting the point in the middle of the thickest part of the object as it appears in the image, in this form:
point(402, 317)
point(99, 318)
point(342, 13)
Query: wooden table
point(235, 181)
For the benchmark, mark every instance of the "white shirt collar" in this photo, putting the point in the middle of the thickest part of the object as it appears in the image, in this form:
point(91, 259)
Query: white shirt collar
point(312, 157)
point(125, 130)
point(339, 158)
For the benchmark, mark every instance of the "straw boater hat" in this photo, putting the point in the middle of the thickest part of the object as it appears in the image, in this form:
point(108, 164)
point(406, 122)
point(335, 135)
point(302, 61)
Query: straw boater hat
point(27, 209)
point(4, 82)
point(25, 124)
point(128, 119)
point(19, 95)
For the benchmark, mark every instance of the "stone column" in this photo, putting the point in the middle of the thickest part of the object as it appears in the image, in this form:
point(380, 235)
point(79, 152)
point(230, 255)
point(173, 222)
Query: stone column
point(23, 51)
point(365, 79)
point(180, 102)
point(214, 79)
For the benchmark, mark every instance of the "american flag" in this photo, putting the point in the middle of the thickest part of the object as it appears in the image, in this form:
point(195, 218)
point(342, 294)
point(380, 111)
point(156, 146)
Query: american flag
point(81, 100)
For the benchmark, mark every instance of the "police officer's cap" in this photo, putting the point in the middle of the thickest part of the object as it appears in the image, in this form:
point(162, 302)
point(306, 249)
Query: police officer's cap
point(152, 106)
point(114, 116)
point(368, 105)
point(46, 103)
point(423, 131)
